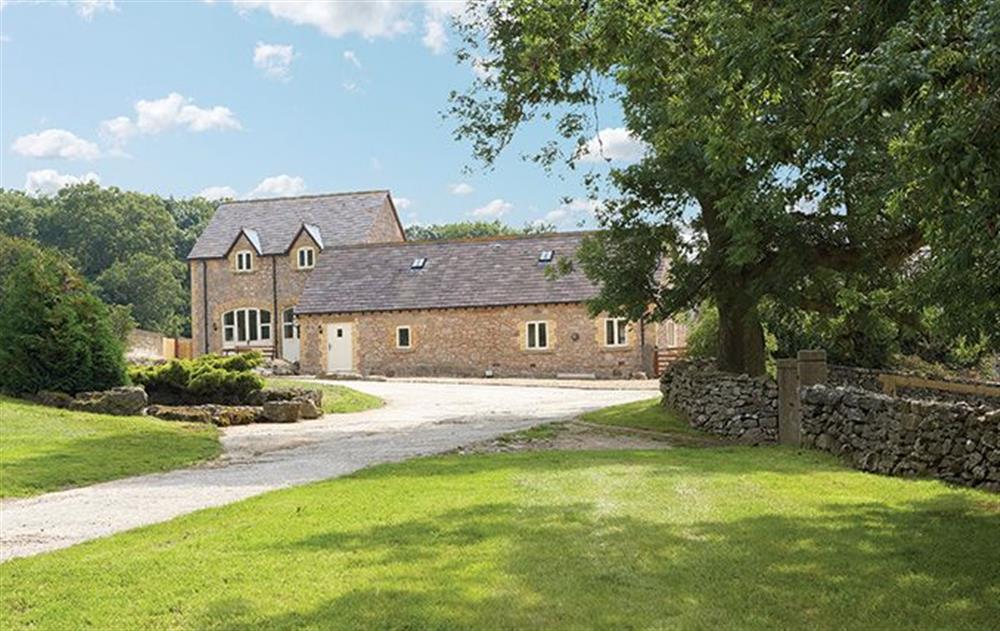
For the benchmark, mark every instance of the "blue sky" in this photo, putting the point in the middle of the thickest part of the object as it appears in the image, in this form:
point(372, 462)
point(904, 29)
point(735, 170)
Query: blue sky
point(262, 99)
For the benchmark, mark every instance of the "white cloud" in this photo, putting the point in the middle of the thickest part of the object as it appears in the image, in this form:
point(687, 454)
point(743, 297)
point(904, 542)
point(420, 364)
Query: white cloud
point(495, 208)
point(279, 186)
point(376, 164)
point(56, 143)
point(87, 8)
point(217, 192)
point(5, 39)
point(274, 59)
point(172, 111)
point(612, 143)
point(402, 203)
point(437, 14)
point(573, 212)
point(351, 57)
point(435, 37)
point(118, 130)
point(460, 188)
point(48, 181)
point(372, 19)
point(350, 86)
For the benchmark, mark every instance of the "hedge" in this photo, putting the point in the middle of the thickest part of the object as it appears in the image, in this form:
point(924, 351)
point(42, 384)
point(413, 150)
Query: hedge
point(208, 379)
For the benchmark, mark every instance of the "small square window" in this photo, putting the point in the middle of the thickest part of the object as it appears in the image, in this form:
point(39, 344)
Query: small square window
point(615, 331)
point(244, 261)
point(545, 256)
point(306, 258)
point(537, 335)
point(418, 263)
point(403, 337)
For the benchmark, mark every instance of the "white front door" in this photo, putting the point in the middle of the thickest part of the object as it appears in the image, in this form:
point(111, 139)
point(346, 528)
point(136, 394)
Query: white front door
point(339, 357)
point(289, 336)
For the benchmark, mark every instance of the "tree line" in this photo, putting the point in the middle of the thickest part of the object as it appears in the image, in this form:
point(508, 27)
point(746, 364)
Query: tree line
point(130, 246)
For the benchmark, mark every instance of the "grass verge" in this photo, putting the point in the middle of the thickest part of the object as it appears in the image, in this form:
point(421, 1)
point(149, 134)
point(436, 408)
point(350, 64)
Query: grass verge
point(46, 449)
point(727, 538)
point(336, 399)
point(648, 414)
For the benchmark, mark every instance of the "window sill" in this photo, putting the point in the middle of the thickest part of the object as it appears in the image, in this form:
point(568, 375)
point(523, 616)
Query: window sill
point(616, 349)
point(539, 350)
point(244, 271)
point(408, 349)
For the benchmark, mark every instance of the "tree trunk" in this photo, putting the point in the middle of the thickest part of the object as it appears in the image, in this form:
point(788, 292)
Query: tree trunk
point(741, 337)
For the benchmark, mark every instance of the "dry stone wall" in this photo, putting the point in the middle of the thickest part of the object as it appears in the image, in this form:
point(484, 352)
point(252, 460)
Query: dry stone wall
point(956, 442)
point(735, 406)
point(867, 379)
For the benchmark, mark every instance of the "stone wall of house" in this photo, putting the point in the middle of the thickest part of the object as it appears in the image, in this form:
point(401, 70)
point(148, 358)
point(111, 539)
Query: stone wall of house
point(726, 404)
point(867, 379)
point(230, 289)
point(472, 341)
point(956, 442)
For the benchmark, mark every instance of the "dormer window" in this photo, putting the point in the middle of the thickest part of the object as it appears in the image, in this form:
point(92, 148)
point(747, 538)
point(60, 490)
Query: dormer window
point(244, 261)
point(418, 263)
point(306, 257)
point(545, 256)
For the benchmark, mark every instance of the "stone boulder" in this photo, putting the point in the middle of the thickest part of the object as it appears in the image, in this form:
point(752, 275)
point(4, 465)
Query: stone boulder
point(52, 399)
point(308, 409)
point(185, 413)
point(122, 401)
point(277, 367)
point(226, 415)
point(282, 411)
point(287, 394)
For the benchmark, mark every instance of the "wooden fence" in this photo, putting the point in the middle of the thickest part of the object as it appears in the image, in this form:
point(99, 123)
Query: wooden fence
point(891, 382)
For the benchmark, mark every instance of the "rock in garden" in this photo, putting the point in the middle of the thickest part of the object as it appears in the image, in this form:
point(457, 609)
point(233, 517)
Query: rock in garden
point(282, 411)
point(53, 399)
point(188, 414)
point(123, 401)
point(308, 409)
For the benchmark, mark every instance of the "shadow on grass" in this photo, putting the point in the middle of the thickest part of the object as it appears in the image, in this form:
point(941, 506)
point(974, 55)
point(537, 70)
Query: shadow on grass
point(873, 564)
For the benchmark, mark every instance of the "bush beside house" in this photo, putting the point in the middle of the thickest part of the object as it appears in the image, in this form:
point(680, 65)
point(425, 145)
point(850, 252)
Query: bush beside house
point(208, 379)
point(55, 334)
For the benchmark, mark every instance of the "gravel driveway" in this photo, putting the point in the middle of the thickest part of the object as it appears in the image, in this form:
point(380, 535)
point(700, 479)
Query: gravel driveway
point(419, 418)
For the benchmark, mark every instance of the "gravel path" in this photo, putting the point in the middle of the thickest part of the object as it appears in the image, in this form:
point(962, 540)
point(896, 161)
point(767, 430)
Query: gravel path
point(419, 419)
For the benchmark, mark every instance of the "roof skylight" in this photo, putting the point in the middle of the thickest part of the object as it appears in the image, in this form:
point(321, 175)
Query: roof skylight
point(545, 256)
point(418, 263)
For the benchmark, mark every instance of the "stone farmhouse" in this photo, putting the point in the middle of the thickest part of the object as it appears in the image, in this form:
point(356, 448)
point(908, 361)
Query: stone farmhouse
point(331, 282)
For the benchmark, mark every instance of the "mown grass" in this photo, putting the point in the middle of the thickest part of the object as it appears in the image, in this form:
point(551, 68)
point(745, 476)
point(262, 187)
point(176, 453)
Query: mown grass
point(727, 538)
point(648, 414)
point(336, 399)
point(46, 449)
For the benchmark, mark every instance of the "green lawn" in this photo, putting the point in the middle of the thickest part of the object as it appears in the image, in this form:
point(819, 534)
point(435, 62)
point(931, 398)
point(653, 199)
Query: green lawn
point(336, 399)
point(45, 449)
point(647, 414)
point(726, 538)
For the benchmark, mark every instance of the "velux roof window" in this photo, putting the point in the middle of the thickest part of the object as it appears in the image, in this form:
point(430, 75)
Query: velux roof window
point(418, 263)
point(545, 256)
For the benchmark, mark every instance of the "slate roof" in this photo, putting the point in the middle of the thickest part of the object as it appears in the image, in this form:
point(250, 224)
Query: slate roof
point(339, 219)
point(462, 273)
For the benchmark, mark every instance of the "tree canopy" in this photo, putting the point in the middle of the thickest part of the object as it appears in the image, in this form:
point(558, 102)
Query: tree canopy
point(468, 229)
point(132, 246)
point(786, 147)
point(54, 333)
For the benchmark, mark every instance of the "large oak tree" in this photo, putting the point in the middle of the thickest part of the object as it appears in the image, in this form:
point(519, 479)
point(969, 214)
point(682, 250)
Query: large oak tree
point(767, 176)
